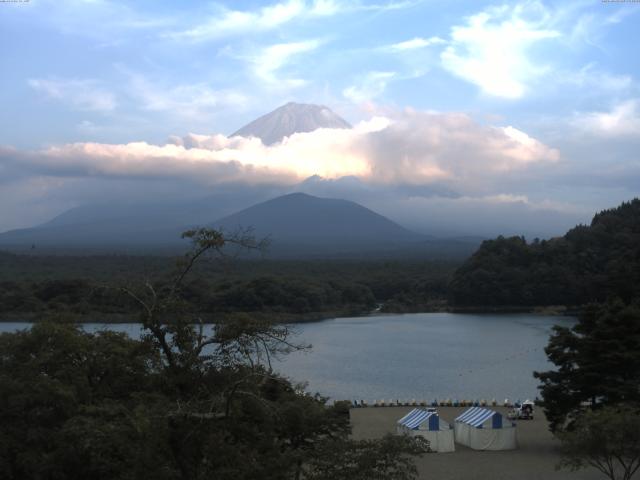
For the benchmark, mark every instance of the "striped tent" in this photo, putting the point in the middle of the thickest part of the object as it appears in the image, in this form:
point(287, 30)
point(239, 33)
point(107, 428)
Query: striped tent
point(417, 417)
point(427, 424)
point(483, 429)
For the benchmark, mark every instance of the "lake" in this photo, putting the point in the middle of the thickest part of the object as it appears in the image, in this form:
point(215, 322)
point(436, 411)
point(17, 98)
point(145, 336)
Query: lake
point(421, 356)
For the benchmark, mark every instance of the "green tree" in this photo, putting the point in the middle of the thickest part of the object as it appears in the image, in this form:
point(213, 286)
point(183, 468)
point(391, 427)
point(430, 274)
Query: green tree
point(607, 439)
point(386, 459)
point(69, 404)
point(184, 402)
point(597, 360)
point(588, 264)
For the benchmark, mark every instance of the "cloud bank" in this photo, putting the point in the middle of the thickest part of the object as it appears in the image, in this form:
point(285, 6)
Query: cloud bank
point(408, 148)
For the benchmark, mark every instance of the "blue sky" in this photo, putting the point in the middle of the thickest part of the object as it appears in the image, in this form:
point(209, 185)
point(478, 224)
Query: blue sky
point(111, 74)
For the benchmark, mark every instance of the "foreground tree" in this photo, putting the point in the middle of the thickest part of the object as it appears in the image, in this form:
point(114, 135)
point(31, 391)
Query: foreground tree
point(607, 439)
point(77, 405)
point(187, 401)
point(386, 459)
point(598, 363)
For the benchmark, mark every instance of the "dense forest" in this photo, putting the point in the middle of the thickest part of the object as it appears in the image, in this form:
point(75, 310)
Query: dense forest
point(88, 287)
point(176, 404)
point(591, 263)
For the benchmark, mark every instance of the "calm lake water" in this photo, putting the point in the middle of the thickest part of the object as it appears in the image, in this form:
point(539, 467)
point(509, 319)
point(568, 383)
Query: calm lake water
point(421, 356)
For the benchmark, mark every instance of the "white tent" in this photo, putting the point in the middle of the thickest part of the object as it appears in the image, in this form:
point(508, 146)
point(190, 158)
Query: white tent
point(483, 429)
point(420, 422)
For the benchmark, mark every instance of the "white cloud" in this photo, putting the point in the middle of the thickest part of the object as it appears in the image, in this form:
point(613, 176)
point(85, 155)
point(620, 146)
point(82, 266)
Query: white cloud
point(492, 49)
point(619, 15)
point(81, 94)
point(590, 27)
point(383, 7)
point(414, 148)
point(228, 22)
point(107, 22)
point(524, 149)
point(415, 43)
point(372, 85)
point(325, 7)
point(593, 78)
point(184, 100)
point(274, 57)
point(621, 121)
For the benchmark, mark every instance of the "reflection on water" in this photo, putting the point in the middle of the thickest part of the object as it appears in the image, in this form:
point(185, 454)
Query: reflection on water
point(419, 356)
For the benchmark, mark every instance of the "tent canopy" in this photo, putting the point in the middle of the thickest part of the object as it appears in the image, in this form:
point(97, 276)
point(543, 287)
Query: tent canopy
point(417, 417)
point(427, 424)
point(482, 429)
point(477, 416)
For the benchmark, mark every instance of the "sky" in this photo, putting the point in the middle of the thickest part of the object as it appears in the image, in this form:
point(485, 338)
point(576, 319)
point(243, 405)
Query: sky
point(469, 117)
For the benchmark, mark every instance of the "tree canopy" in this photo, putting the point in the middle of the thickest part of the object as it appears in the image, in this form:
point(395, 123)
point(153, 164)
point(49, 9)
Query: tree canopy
point(607, 439)
point(597, 360)
point(177, 403)
point(588, 264)
point(34, 287)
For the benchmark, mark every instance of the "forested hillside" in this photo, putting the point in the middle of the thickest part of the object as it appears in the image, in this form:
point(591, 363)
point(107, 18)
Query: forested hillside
point(588, 264)
point(33, 287)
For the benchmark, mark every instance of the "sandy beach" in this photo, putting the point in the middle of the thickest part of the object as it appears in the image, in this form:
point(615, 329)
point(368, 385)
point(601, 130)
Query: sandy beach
point(535, 458)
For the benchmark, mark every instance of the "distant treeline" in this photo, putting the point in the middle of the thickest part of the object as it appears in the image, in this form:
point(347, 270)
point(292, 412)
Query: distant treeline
point(589, 264)
point(88, 287)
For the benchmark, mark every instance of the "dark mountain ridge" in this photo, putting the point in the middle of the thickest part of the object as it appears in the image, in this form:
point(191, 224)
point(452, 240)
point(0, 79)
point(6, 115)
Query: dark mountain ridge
point(314, 220)
point(298, 225)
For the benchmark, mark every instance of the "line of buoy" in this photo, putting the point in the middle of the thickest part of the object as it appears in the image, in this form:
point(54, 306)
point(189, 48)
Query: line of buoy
point(435, 403)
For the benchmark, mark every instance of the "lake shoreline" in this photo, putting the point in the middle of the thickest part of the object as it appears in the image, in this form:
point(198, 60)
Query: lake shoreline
point(207, 319)
point(292, 318)
point(445, 354)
